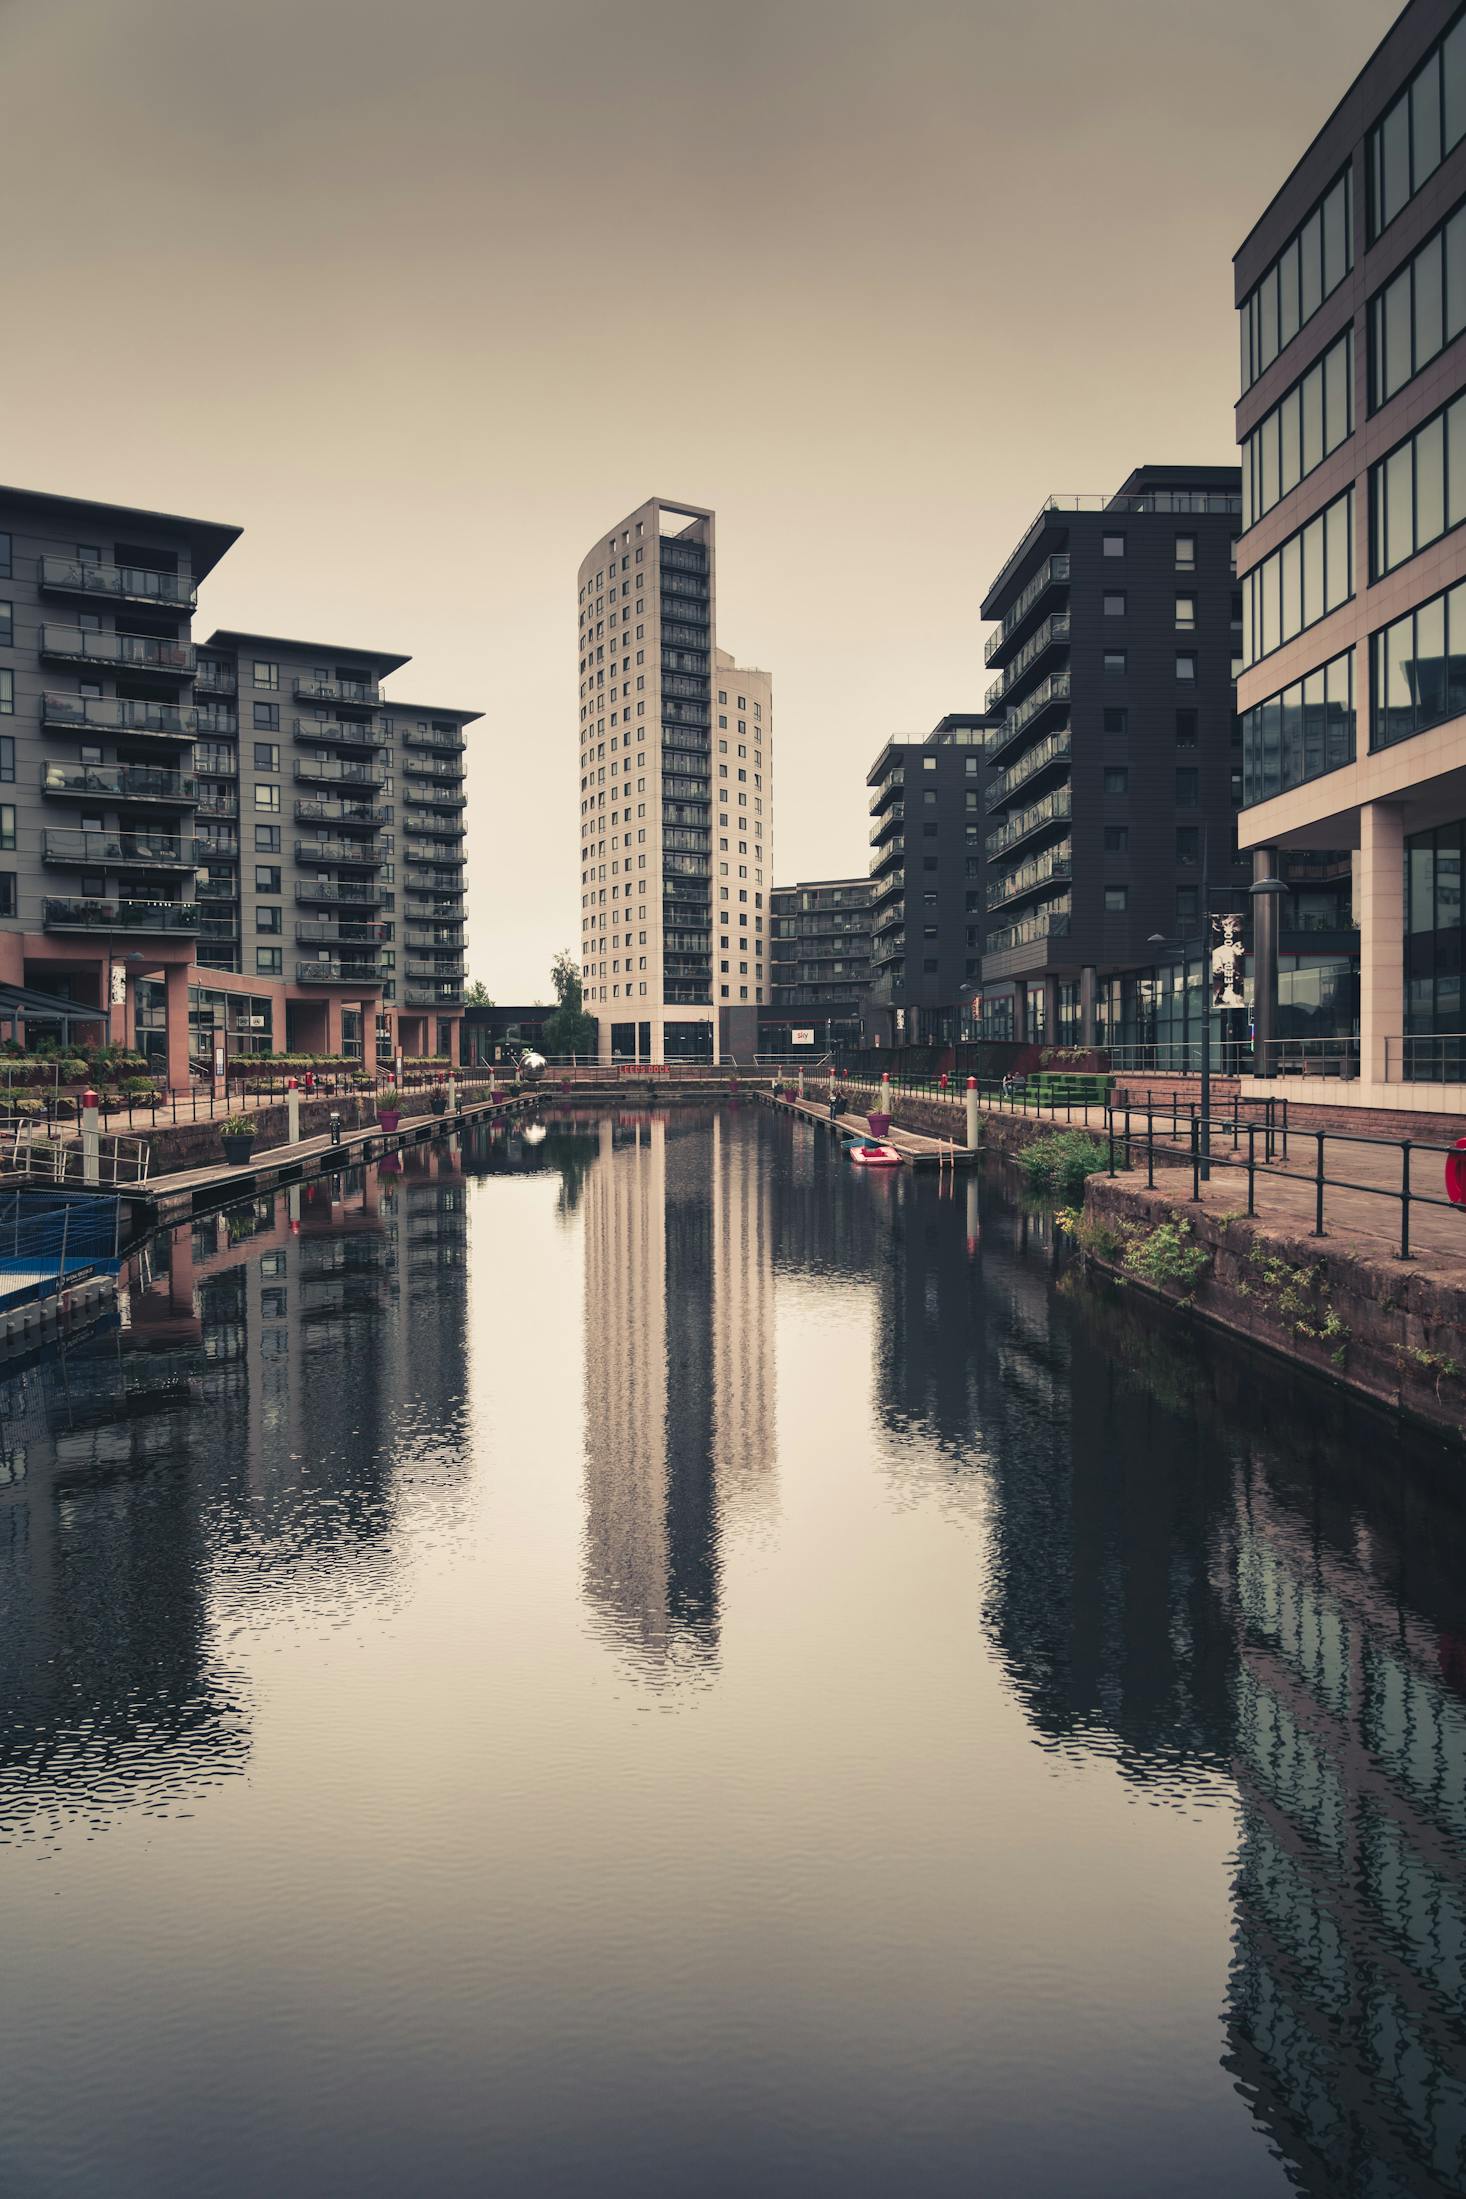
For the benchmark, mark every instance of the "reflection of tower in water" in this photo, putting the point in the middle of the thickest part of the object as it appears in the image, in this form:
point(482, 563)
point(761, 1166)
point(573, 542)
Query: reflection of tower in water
point(679, 1372)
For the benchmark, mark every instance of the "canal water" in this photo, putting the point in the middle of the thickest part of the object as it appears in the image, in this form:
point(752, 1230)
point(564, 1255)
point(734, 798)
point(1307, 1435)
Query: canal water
point(646, 1662)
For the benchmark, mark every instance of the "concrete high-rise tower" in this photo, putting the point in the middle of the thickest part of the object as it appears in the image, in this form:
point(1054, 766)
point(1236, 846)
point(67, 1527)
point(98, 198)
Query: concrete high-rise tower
point(676, 799)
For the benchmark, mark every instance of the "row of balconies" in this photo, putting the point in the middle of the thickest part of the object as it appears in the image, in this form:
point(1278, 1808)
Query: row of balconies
point(1040, 870)
point(1046, 696)
point(1054, 633)
point(1053, 750)
point(1053, 573)
point(1051, 922)
point(1036, 817)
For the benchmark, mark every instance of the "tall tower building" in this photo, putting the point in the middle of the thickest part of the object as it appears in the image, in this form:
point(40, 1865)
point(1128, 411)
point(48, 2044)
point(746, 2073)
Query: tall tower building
point(676, 799)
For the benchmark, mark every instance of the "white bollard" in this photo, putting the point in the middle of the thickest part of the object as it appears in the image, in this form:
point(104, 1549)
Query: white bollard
point(292, 1112)
point(801, 1084)
point(452, 1093)
point(973, 1126)
point(91, 1140)
point(885, 1091)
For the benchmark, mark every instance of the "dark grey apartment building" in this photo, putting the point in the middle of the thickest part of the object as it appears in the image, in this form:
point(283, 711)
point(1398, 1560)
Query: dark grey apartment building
point(1114, 776)
point(237, 845)
point(820, 964)
point(926, 869)
point(1351, 296)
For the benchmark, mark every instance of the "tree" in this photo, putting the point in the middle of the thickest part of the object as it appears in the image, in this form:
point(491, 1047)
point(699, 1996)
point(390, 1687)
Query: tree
point(477, 995)
point(569, 1030)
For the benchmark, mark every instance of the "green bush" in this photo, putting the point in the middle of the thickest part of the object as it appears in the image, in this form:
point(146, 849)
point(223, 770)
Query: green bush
point(1056, 1167)
point(1168, 1253)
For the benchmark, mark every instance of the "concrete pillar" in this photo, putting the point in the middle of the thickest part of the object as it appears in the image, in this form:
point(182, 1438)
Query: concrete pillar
point(1020, 1012)
point(1381, 936)
point(1265, 899)
point(91, 1141)
point(331, 1035)
point(175, 977)
point(1051, 1011)
point(1088, 1005)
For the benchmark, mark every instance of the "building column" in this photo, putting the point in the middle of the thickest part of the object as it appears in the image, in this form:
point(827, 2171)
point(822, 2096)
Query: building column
point(331, 1024)
point(1020, 1011)
point(1088, 1004)
point(1051, 1010)
point(176, 976)
point(1265, 899)
point(1381, 893)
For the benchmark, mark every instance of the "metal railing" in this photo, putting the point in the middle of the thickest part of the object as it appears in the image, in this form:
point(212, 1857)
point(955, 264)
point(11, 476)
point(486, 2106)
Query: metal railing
point(1426, 1057)
point(1313, 1057)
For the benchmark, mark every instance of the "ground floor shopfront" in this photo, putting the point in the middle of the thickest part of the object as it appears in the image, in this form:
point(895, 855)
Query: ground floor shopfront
point(184, 1017)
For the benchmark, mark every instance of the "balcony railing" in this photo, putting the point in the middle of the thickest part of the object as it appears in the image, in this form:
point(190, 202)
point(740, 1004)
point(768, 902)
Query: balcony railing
point(336, 851)
point(341, 732)
point(1008, 783)
point(367, 970)
point(116, 850)
point(339, 893)
point(1051, 810)
point(213, 678)
point(364, 693)
point(452, 744)
point(1046, 696)
point(886, 822)
point(332, 771)
point(120, 783)
point(75, 915)
point(337, 932)
point(139, 652)
point(1028, 877)
point(1054, 633)
point(1053, 573)
point(435, 996)
point(1049, 923)
point(84, 576)
point(331, 810)
point(446, 973)
point(120, 714)
point(893, 783)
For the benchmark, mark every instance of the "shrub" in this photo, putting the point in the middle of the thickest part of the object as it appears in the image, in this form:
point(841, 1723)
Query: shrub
point(1168, 1253)
point(1056, 1167)
point(238, 1126)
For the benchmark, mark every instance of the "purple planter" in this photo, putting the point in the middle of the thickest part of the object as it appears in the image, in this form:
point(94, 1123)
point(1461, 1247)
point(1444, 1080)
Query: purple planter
point(879, 1124)
point(388, 1119)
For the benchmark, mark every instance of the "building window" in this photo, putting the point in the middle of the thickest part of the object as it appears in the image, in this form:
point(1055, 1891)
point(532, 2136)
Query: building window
point(7, 759)
point(1117, 839)
point(267, 839)
point(269, 961)
point(7, 693)
point(1186, 613)
point(1188, 907)
point(1309, 269)
point(1188, 786)
point(1314, 417)
point(1114, 605)
point(1301, 733)
point(1116, 721)
point(1185, 553)
point(1419, 311)
point(267, 877)
point(1113, 545)
point(268, 919)
point(6, 559)
point(7, 825)
point(1303, 581)
point(267, 717)
point(1114, 661)
point(266, 675)
point(267, 797)
point(267, 756)
point(1418, 493)
point(7, 625)
point(1117, 779)
point(1416, 131)
point(1186, 666)
point(1188, 845)
point(1419, 677)
point(1117, 900)
point(1187, 724)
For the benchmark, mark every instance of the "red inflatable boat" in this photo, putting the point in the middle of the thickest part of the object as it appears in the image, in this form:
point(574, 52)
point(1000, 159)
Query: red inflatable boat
point(873, 1155)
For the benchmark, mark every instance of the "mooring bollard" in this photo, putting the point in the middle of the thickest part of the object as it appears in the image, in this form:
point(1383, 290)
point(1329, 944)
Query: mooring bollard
point(335, 1126)
point(886, 1093)
point(973, 1122)
point(91, 1139)
point(292, 1112)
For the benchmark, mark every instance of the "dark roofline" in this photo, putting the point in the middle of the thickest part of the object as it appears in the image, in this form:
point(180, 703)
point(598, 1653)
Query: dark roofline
point(814, 885)
point(227, 637)
point(207, 539)
point(433, 710)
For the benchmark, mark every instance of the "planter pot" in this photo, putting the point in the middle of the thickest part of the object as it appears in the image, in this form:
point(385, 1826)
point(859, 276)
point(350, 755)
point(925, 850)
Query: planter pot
point(238, 1152)
point(438, 1102)
point(388, 1119)
point(880, 1125)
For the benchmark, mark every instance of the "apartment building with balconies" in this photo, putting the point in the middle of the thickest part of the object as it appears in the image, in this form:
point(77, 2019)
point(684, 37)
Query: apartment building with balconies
point(1113, 778)
point(1351, 295)
point(926, 873)
point(820, 969)
point(676, 798)
point(202, 842)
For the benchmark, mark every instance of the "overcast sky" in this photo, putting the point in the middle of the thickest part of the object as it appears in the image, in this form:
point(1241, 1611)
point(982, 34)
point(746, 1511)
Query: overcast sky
point(426, 294)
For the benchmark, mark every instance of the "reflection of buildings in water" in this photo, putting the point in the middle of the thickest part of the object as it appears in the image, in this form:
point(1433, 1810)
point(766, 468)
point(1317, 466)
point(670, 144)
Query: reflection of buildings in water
point(111, 1691)
point(680, 1409)
point(1348, 1988)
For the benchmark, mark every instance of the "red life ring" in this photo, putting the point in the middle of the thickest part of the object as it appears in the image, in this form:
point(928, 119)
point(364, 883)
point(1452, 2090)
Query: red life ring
point(1456, 1174)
